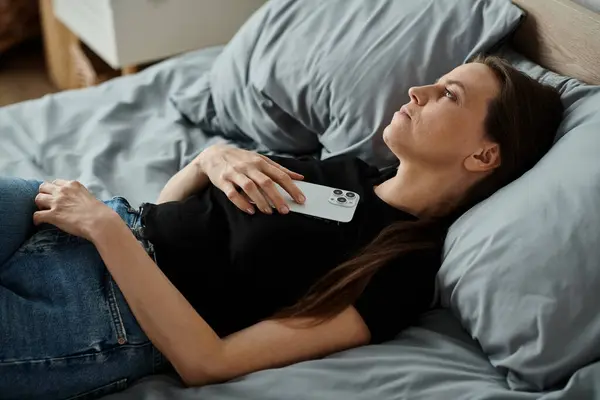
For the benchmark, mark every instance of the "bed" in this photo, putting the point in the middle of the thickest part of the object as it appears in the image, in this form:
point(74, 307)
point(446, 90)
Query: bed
point(128, 136)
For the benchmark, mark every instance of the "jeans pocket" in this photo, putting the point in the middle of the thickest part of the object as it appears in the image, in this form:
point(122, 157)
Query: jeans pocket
point(116, 314)
point(101, 391)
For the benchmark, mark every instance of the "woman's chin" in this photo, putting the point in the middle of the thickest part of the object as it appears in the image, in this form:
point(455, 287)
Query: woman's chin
point(392, 135)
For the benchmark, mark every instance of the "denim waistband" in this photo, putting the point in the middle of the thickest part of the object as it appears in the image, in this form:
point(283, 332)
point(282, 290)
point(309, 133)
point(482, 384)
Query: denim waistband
point(133, 218)
point(138, 230)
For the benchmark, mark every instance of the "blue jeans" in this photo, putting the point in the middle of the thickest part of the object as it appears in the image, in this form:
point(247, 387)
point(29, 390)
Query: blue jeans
point(66, 331)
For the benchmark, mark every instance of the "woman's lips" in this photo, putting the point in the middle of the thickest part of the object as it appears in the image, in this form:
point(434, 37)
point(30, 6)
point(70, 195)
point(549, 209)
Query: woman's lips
point(400, 114)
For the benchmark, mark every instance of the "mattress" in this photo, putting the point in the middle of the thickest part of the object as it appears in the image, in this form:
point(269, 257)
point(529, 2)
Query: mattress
point(126, 138)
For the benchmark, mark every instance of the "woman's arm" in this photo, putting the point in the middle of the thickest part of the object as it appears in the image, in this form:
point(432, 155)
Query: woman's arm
point(161, 310)
point(189, 180)
point(189, 343)
point(196, 352)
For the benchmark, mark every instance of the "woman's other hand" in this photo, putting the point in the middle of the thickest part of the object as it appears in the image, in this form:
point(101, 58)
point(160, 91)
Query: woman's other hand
point(69, 206)
point(229, 168)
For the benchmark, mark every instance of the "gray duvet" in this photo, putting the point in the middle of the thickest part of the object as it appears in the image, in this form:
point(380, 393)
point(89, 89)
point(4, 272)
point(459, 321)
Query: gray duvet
point(125, 138)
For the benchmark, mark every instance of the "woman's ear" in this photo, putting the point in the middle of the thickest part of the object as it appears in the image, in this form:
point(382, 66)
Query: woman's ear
point(484, 159)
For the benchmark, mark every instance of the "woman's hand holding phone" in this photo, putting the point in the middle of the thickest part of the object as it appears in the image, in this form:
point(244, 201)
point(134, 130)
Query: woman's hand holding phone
point(230, 168)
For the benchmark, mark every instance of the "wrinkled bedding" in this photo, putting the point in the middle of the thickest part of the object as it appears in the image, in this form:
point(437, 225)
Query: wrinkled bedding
point(126, 138)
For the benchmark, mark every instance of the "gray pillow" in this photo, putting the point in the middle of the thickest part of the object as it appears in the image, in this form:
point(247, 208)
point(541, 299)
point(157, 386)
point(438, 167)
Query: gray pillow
point(521, 269)
point(306, 76)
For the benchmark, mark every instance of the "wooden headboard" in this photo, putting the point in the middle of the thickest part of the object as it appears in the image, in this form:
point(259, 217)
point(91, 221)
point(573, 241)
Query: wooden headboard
point(562, 36)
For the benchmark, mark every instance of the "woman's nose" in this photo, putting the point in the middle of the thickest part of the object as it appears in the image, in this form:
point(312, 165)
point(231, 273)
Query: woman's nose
point(418, 94)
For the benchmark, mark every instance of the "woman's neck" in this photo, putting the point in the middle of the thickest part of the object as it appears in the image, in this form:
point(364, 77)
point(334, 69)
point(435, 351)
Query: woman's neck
point(422, 192)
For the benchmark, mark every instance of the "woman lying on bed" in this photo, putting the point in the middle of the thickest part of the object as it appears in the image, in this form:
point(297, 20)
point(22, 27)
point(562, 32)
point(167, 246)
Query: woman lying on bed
point(211, 282)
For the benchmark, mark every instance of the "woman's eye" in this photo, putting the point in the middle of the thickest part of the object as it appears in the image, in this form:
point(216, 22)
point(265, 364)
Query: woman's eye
point(449, 95)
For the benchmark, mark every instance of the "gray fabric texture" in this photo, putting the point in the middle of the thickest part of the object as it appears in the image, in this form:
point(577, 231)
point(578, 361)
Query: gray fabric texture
point(123, 137)
point(435, 360)
point(421, 364)
point(521, 269)
point(313, 76)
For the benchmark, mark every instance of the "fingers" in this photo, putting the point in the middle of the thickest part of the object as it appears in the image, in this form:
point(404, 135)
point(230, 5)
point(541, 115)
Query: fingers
point(267, 181)
point(256, 175)
point(47, 187)
point(50, 188)
point(269, 190)
point(249, 186)
point(260, 188)
point(43, 201)
point(40, 217)
point(59, 182)
point(236, 197)
point(292, 174)
point(286, 182)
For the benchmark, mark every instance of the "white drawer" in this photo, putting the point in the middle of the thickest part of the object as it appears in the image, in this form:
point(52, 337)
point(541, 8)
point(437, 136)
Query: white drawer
point(125, 32)
point(92, 22)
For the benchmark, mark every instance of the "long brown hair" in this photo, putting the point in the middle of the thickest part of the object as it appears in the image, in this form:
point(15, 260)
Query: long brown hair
point(522, 119)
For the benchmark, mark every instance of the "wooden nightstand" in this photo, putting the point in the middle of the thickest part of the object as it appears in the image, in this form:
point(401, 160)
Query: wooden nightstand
point(117, 36)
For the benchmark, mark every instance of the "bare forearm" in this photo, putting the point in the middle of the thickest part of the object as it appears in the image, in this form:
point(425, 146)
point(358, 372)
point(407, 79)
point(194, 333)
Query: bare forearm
point(164, 314)
point(189, 180)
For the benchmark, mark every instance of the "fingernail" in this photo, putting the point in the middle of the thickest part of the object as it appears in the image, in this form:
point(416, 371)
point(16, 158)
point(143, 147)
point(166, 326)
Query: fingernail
point(251, 210)
point(301, 198)
point(284, 209)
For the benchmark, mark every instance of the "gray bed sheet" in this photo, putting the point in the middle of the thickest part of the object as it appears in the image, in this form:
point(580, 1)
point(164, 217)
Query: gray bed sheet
point(121, 138)
point(125, 138)
point(434, 360)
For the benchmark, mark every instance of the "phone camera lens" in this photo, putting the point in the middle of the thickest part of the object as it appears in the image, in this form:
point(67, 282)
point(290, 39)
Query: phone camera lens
point(349, 194)
point(341, 199)
point(337, 192)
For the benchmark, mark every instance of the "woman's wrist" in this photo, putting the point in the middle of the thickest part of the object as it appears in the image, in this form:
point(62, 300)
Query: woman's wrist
point(191, 179)
point(204, 155)
point(104, 224)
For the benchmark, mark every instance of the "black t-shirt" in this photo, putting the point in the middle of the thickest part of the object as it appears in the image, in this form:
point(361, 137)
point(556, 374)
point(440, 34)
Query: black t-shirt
point(237, 269)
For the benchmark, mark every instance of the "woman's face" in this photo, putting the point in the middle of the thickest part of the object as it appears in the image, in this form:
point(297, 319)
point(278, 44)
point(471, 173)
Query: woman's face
point(443, 124)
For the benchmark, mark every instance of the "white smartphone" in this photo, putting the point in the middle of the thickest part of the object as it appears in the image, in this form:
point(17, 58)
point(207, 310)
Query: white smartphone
point(322, 201)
